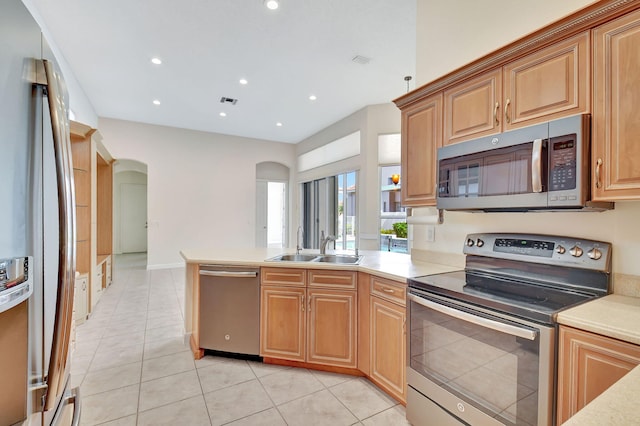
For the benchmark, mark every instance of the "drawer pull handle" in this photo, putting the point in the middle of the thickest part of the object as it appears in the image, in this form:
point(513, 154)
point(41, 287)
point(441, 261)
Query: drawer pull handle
point(388, 290)
point(495, 113)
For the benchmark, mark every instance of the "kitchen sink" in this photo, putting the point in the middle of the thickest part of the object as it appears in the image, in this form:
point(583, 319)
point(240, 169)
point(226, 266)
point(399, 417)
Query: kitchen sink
point(294, 258)
point(338, 258)
point(325, 258)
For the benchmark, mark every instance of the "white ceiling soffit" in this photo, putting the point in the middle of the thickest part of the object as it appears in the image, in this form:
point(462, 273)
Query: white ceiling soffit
point(301, 49)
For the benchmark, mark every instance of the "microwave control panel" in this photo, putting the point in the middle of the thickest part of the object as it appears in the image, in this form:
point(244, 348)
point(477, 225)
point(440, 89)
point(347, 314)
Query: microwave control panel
point(562, 163)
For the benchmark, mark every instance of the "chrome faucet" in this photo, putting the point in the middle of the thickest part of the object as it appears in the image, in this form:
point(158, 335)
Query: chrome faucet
point(299, 242)
point(324, 241)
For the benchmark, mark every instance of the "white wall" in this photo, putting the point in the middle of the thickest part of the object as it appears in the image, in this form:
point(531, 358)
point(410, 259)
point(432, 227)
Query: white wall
point(200, 188)
point(471, 30)
point(79, 103)
point(120, 178)
point(370, 121)
point(453, 33)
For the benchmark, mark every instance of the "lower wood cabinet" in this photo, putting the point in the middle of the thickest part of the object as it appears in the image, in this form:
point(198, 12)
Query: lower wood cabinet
point(315, 324)
point(282, 326)
point(388, 346)
point(331, 327)
point(588, 365)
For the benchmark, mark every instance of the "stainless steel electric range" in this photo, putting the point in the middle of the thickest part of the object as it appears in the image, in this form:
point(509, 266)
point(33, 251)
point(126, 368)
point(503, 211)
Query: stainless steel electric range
point(482, 343)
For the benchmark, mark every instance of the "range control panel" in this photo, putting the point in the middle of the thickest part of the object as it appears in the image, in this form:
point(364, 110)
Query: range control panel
point(548, 249)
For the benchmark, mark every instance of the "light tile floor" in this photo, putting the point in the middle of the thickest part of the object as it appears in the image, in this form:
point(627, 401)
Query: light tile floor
point(134, 369)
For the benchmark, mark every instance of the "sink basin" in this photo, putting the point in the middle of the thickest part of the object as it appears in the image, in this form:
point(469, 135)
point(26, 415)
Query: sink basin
point(294, 258)
point(326, 258)
point(337, 258)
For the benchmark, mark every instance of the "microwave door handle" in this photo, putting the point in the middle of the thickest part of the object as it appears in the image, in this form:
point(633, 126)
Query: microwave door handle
point(536, 166)
point(502, 327)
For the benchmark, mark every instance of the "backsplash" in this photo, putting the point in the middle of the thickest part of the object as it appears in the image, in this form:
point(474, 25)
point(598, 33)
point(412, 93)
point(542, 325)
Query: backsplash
point(619, 227)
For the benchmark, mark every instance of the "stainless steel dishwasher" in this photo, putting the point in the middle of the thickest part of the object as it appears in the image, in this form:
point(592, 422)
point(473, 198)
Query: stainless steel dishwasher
point(230, 309)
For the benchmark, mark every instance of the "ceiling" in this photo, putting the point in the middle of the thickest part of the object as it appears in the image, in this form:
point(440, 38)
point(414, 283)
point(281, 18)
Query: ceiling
point(303, 48)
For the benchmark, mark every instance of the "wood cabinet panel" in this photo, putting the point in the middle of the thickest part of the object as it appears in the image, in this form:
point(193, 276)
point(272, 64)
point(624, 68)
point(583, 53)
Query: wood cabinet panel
point(551, 83)
point(393, 291)
point(332, 327)
point(472, 108)
point(615, 146)
point(282, 324)
point(588, 365)
point(421, 138)
point(332, 279)
point(282, 276)
point(364, 317)
point(388, 347)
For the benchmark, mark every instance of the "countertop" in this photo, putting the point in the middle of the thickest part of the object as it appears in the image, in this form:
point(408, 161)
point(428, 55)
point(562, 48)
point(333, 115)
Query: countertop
point(612, 316)
point(394, 266)
point(618, 317)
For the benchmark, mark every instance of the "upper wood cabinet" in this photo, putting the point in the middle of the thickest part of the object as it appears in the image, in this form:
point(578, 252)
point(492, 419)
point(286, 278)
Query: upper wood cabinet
point(421, 138)
point(472, 108)
point(588, 365)
point(547, 84)
point(616, 94)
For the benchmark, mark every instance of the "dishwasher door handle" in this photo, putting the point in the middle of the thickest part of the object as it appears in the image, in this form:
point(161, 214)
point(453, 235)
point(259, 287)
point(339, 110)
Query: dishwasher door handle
point(229, 274)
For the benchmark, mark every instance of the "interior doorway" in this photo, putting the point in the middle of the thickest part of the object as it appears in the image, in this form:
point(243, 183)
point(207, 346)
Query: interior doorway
point(130, 207)
point(272, 218)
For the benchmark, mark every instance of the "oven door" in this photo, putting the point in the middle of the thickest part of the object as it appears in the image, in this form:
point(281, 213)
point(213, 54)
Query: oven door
point(472, 366)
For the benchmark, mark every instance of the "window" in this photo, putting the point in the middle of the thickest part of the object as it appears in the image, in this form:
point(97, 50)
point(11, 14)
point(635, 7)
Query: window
point(393, 217)
point(329, 206)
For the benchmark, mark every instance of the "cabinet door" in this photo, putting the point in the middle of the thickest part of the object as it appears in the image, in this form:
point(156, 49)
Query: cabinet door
point(421, 138)
point(588, 365)
point(472, 108)
point(616, 94)
point(282, 324)
point(388, 347)
point(549, 84)
point(332, 335)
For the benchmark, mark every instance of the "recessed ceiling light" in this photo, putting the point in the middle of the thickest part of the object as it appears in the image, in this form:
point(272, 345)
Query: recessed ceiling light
point(271, 4)
point(156, 102)
point(156, 61)
point(279, 124)
point(312, 97)
point(243, 81)
point(223, 114)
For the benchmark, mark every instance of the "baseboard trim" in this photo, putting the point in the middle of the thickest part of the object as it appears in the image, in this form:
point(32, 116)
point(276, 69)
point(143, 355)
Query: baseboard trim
point(166, 266)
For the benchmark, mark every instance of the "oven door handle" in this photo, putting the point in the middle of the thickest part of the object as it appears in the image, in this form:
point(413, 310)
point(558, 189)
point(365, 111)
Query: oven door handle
point(474, 319)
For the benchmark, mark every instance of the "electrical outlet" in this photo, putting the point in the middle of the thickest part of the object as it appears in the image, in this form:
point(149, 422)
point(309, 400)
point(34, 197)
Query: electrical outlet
point(431, 233)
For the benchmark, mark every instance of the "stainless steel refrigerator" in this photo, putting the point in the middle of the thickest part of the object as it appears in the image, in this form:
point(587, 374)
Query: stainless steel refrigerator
point(37, 229)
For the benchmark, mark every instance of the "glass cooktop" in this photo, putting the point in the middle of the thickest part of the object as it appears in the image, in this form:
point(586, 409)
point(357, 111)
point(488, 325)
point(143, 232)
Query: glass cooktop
point(533, 301)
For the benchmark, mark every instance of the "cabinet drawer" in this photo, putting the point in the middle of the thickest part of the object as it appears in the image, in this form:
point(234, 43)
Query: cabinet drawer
point(282, 276)
point(332, 279)
point(390, 290)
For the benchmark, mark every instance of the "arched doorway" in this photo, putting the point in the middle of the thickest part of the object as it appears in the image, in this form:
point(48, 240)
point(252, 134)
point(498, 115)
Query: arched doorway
point(130, 207)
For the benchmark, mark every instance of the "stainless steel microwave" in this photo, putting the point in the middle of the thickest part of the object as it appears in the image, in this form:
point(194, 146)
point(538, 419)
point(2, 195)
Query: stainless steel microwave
point(540, 167)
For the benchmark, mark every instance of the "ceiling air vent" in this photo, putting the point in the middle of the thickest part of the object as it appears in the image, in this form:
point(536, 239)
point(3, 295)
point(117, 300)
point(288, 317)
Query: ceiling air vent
point(362, 60)
point(225, 100)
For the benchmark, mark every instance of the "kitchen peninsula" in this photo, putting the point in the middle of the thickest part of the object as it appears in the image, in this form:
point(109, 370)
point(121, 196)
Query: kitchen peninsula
point(369, 295)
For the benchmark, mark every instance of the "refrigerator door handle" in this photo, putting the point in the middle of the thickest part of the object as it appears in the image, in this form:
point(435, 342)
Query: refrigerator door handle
point(66, 212)
point(74, 399)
